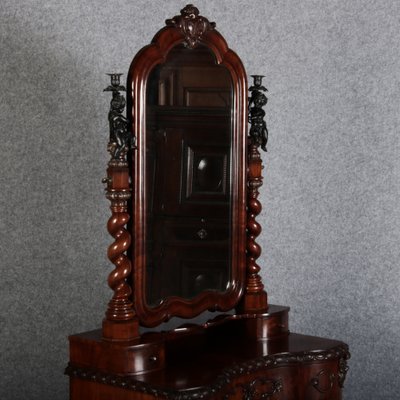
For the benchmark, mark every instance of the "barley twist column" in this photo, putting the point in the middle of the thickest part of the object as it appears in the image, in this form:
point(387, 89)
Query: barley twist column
point(120, 321)
point(255, 299)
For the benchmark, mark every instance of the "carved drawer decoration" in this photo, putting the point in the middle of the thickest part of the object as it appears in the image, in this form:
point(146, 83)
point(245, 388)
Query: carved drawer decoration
point(258, 388)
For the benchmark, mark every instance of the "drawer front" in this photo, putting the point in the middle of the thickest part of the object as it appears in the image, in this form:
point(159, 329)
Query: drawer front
point(314, 381)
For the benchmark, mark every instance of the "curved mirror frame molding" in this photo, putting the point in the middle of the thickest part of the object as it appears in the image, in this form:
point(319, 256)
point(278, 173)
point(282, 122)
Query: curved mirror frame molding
point(172, 36)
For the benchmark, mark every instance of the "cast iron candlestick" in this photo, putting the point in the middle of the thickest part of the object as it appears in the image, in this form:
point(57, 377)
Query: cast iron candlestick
point(257, 100)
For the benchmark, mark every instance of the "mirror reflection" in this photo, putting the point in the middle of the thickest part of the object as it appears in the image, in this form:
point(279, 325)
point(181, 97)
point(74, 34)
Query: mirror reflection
point(188, 168)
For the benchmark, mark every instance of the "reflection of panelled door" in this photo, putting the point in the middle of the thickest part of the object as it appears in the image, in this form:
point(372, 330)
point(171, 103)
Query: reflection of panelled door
point(189, 166)
point(192, 80)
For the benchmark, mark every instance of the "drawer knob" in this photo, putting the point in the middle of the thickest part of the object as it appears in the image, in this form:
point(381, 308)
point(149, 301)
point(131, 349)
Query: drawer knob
point(202, 233)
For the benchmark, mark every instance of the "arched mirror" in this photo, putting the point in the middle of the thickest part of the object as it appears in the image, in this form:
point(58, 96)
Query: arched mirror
point(187, 106)
point(188, 176)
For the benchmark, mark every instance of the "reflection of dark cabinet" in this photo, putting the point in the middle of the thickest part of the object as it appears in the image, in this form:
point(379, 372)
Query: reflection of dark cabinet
point(189, 175)
point(190, 255)
point(189, 234)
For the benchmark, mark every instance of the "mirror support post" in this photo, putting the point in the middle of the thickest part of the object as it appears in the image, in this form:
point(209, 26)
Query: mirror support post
point(121, 322)
point(255, 299)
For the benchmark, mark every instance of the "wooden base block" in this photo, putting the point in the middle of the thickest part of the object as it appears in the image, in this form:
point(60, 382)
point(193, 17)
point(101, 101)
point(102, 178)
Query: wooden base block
point(253, 303)
point(120, 330)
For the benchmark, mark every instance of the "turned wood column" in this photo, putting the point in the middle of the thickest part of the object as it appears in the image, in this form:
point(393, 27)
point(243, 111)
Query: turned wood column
point(255, 298)
point(120, 321)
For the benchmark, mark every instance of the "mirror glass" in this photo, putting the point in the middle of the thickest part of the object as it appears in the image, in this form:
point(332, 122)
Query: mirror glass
point(188, 176)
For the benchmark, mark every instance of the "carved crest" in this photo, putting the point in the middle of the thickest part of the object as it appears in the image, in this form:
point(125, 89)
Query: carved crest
point(192, 25)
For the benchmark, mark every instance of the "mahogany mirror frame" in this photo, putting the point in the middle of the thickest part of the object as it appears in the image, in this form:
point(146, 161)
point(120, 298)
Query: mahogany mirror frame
point(203, 33)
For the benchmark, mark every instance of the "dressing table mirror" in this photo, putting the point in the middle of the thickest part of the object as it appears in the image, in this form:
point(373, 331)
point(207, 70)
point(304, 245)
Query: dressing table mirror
point(183, 180)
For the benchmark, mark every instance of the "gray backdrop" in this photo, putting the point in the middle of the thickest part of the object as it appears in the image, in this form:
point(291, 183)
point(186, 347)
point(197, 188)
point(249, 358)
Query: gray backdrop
point(331, 188)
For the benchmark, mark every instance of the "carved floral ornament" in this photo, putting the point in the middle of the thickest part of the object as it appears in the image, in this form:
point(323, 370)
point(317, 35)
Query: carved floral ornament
point(260, 388)
point(192, 25)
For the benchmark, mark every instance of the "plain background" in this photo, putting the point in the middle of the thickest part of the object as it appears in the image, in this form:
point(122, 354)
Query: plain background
point(332, 173)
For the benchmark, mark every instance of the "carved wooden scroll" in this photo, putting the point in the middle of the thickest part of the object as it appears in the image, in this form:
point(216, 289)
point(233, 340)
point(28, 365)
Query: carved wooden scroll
point(192, 25)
